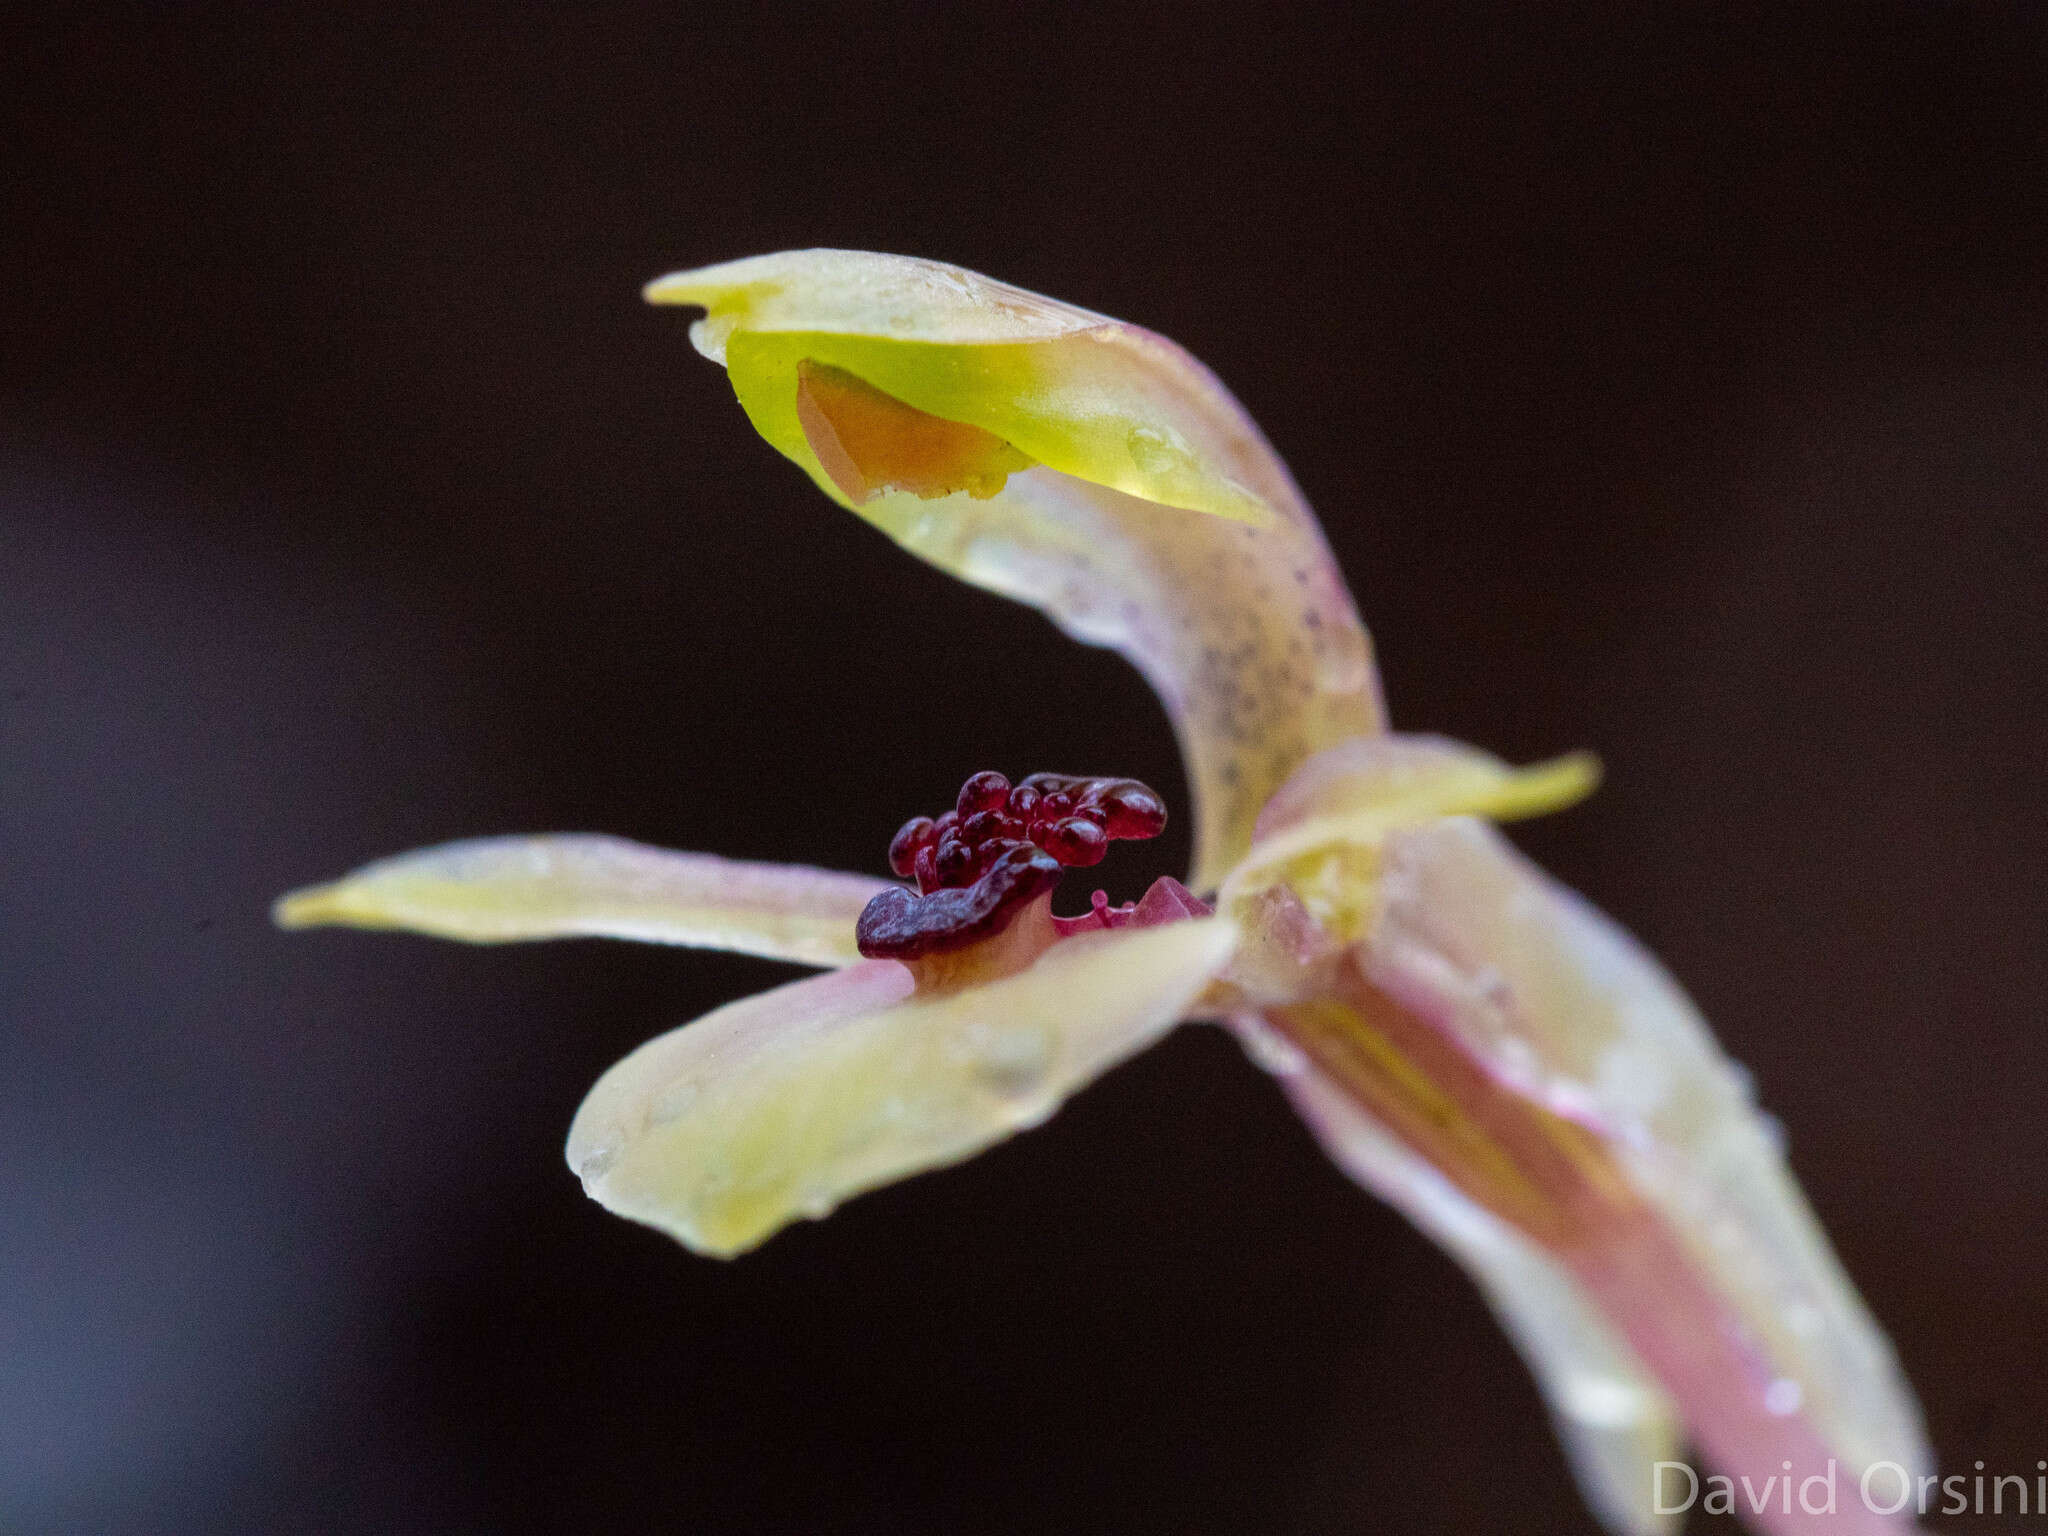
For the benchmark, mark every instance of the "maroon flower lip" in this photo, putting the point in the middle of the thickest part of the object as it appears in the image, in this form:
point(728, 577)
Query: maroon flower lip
point(998, 849)
point(900, 924)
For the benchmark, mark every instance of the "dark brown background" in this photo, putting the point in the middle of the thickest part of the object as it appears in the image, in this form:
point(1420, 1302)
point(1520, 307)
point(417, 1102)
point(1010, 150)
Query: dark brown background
point(1671, 385)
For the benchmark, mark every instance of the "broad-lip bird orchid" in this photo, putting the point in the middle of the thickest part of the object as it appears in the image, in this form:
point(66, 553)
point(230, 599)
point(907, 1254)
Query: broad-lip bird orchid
point(1468, 1040)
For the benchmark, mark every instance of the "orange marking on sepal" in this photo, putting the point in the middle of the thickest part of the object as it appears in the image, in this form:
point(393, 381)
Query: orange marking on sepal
point(870, 442)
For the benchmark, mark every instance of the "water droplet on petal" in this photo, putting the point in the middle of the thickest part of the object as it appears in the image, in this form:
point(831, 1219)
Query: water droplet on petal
point(1804, 1319)
point(1013, 1062)
point(816, 1204)
point(1154, 452)
point(1783, 1397)
point(672, 1102)
point(1270, 1050)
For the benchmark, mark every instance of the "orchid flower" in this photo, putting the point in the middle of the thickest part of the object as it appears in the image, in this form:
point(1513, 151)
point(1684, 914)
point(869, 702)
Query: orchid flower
point(1468, 1040)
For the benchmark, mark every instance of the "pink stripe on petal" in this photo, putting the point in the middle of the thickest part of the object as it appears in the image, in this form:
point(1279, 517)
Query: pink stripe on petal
point(1498, 1059)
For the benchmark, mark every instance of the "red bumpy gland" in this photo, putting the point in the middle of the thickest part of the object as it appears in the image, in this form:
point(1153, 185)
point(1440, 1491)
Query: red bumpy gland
point(997, 849)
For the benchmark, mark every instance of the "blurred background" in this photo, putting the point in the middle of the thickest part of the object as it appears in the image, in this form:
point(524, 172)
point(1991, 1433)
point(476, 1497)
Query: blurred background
point(1673, 384)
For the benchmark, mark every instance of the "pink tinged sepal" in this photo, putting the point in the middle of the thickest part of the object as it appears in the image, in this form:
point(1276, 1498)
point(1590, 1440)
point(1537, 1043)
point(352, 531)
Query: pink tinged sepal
point(1612, 1417)
point(786, 1104)
point(1509, 1068)
point(494, 890)
point(1107, 479)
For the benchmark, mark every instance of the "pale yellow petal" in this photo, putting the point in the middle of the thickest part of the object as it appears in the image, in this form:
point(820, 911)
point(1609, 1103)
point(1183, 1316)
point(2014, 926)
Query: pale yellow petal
point(785, 1104)
point(493, 890)
point(1240, 620)
point(1323, 833)
point(862, 293)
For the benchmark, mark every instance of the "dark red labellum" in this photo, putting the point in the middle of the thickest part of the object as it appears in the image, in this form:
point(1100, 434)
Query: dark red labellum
point(996, 849)
point(899, 924)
